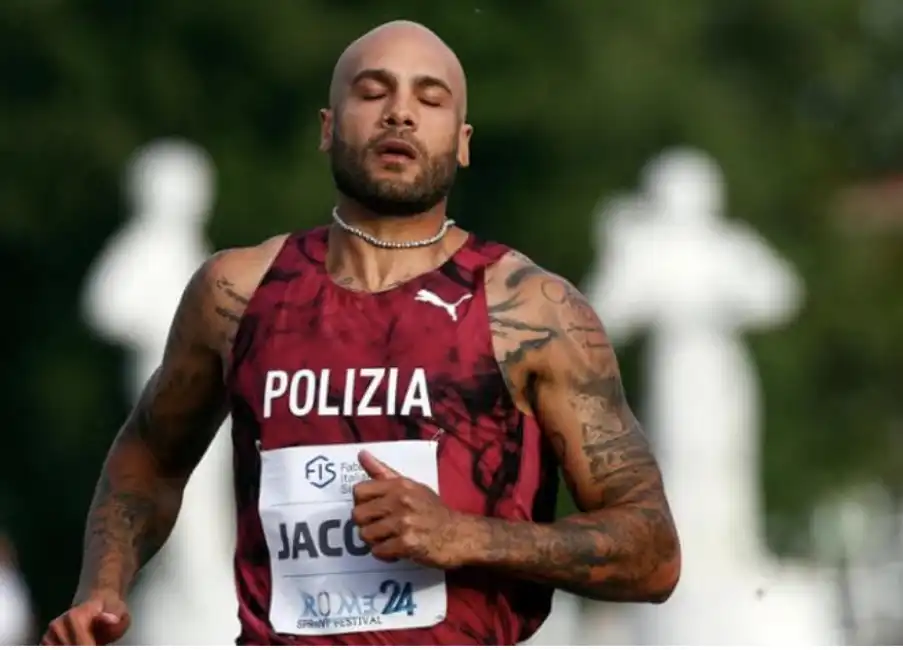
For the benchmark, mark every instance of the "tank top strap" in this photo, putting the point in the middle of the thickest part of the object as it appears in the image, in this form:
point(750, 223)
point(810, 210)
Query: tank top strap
point(308, 247)
point(476, 254)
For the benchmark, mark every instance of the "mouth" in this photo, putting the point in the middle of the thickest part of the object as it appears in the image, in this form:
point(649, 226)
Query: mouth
point(396, 150)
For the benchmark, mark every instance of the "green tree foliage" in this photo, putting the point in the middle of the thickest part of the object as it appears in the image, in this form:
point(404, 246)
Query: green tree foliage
point(569, 99)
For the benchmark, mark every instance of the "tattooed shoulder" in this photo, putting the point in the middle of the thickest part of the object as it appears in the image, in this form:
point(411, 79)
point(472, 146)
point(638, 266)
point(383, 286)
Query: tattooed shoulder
point(533, 313)
point(230, 278)
point(541, 324)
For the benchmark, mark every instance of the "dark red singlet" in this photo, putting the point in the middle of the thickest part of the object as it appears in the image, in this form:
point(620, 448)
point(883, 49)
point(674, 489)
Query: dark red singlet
point(492, 460)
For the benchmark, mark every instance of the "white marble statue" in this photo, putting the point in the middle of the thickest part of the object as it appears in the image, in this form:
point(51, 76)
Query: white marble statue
point(671, 264)
point(16, 618)
point(186, 596)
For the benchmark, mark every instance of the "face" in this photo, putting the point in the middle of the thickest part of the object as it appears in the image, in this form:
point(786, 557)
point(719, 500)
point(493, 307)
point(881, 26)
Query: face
point(395, 137)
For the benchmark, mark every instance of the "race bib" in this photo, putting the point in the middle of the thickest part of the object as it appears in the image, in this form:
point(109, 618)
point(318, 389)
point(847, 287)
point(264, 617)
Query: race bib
point(324, 579)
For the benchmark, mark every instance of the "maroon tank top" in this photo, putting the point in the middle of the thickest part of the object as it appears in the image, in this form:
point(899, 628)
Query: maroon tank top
point(492, 460)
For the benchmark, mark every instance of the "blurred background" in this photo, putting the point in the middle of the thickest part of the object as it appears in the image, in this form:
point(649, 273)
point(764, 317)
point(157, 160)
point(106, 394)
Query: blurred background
point(722, 178)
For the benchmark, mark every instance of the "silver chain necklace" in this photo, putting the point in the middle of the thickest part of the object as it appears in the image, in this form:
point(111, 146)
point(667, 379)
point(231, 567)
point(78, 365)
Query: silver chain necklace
point(380, 243)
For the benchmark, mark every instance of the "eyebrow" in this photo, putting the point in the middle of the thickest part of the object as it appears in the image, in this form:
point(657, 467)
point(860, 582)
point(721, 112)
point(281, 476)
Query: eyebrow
point(384, 76)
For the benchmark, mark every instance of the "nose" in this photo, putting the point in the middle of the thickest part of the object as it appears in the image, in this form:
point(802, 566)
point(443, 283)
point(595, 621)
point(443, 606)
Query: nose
point(399, 117)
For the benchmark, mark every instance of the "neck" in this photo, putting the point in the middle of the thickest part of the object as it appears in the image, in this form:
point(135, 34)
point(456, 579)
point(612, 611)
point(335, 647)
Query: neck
point(392, 228)
point(374, 268)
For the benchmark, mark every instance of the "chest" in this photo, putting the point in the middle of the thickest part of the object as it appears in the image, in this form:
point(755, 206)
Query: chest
point(321, 368)
point(408, 333)
point(332, 366)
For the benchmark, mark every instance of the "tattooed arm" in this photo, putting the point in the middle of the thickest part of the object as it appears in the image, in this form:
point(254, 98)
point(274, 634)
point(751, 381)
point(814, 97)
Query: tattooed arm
point(139, 493)
point(560, 367)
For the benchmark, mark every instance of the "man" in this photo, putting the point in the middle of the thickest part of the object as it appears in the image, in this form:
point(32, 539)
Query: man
point(402, 397)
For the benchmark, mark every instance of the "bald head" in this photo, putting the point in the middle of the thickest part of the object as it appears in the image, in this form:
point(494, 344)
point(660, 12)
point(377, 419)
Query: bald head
point(395, 129)
point(405, 40)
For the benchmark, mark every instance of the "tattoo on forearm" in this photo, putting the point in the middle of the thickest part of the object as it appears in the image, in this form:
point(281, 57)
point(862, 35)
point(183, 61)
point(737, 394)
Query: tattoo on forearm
point(592, 555)
point(135, 510)
point(126, 527)
point(139, 492)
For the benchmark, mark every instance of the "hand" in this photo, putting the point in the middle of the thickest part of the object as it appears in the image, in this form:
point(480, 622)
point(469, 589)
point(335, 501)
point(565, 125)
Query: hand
point(402, 519)
point(100, 620)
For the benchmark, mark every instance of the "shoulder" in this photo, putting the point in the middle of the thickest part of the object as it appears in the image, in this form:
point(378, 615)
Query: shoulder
point(222, 287)
point(539, 319)
point(544, 296)
point(240, 269)
point(245, 264)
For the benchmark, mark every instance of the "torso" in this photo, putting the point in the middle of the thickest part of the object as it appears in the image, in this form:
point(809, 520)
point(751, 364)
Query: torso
point(417, 363)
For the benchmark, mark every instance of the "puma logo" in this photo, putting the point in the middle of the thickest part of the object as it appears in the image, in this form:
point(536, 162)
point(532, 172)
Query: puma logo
point(431, 298)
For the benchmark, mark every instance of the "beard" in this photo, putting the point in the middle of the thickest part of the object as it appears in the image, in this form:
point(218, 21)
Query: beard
point(387, 197)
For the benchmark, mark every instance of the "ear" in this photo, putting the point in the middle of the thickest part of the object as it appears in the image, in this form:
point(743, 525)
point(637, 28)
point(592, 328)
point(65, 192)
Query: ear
point(464, 135)
point(326, 129)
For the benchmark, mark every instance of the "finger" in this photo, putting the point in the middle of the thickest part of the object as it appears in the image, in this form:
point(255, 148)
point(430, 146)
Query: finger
point(82, 621)
point(369, 490)
point(380, 531)
point(78, 626)
point(371, 511)
point(390, 550)
point(375, 467)
point(55, 634)
point(50, 638)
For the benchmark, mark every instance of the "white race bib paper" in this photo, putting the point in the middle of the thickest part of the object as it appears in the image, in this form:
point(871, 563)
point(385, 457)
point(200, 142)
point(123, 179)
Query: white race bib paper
point(325, 581)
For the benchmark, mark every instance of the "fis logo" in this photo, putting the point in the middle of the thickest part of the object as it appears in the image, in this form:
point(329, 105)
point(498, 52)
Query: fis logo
point(319, 471)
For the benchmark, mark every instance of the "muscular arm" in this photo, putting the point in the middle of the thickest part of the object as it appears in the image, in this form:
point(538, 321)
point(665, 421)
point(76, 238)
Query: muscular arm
point(560, 366)
point(140, 489)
